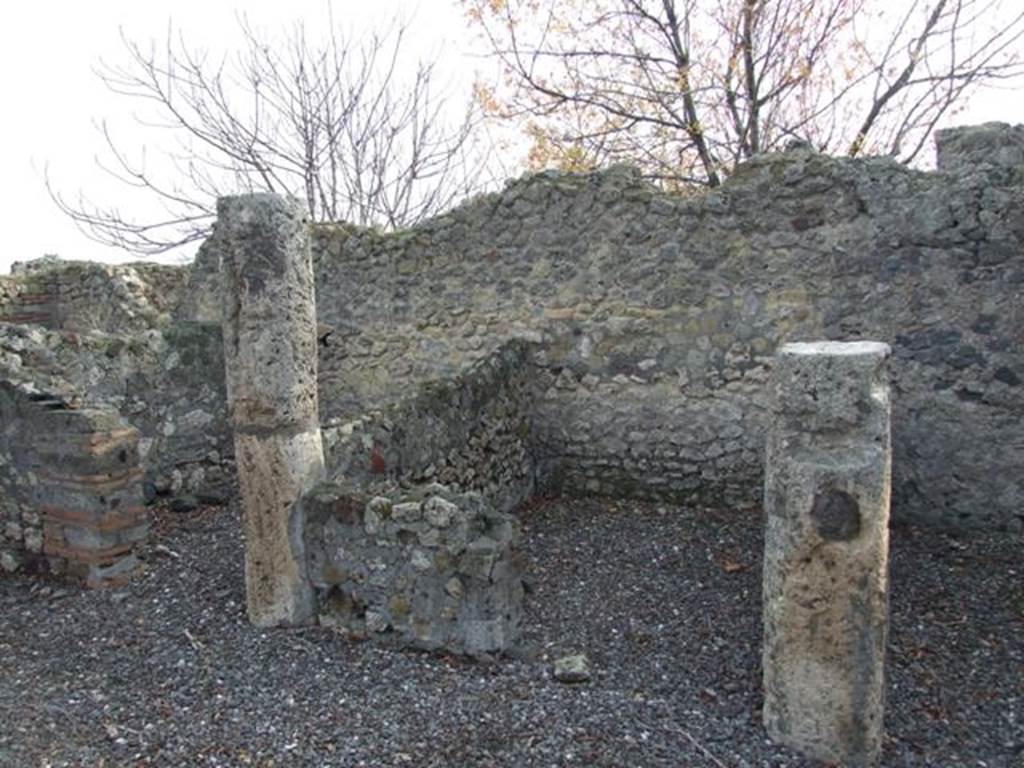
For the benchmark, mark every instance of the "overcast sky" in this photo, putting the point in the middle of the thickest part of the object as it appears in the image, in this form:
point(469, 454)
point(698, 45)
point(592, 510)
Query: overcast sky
point(52, 98)
point(48, 51)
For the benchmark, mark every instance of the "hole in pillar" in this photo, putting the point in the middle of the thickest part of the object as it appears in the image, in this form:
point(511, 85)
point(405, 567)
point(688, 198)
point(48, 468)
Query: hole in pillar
point(836, 515)
point(123, 456)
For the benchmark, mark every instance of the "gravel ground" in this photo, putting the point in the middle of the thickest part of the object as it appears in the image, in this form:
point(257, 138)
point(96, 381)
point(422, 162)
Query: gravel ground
point(664, 601)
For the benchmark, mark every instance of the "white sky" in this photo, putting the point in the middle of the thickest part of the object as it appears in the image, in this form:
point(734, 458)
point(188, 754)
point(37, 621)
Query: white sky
point(48, 50)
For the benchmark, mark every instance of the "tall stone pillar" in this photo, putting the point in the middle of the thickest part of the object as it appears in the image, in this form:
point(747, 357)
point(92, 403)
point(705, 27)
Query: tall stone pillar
point(826, 551)
point(271, 360)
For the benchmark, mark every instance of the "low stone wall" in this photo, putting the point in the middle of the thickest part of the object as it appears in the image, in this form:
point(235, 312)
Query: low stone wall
point(430, 568)
point(471, 432)
point(84, 296)
point(72, 487)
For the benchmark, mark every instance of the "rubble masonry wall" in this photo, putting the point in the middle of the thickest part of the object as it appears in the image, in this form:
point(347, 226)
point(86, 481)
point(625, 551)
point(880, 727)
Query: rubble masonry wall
point(650, 322)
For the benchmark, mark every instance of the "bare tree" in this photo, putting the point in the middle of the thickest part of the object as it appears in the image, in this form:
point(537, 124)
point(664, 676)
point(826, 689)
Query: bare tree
point(689, 88)
point(335, 122)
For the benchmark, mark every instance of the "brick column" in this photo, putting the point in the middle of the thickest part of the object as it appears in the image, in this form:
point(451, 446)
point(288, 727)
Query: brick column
point(89, 492)
point(270, 355)
point(826, 550)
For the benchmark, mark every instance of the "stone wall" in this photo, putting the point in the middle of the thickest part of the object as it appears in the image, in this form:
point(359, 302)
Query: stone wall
point(83, 296)
point(471, 432)
point(430, 568)
point(656, 316)
point(994, 144)
point(652, 319)
point(21, 540)
point(169, 383)
point(105, 335)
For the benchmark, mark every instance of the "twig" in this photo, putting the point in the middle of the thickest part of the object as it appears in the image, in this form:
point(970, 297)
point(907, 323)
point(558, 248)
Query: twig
point(696, 744)
point(195, 643)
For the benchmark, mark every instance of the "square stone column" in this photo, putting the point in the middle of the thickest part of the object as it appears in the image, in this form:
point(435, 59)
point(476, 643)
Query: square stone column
point(270, 352)
point(827, 489)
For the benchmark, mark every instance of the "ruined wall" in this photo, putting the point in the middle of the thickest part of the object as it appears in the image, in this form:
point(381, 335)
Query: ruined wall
point(470, 432)
point(83, 296)
point(169, 383)
point(428, 567)
point(21, 538)
point(657, 315)
point(106, 336)
point(650, 320)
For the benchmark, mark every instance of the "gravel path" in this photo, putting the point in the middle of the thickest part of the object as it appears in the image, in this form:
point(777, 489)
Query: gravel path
point(664, 601)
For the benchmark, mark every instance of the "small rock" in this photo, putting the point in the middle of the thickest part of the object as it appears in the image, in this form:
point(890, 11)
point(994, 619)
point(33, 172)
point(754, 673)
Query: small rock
point(162, 485)
point(177, 480)
point(9, 561)
point(572, 669)
point(420, 561)
point(438, 511)
point(34, 540)
point(376, 622)
point(164, 550)
point(453, 587)
point(184, 504)
point(410, 511)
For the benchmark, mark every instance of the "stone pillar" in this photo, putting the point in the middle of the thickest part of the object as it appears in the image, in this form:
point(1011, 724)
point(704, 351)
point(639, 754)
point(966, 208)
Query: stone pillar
point(826, 550)
point(89, 489)
point(270, 357)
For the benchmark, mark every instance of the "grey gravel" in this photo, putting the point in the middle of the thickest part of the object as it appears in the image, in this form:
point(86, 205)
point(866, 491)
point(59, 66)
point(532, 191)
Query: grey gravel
point(664, 601)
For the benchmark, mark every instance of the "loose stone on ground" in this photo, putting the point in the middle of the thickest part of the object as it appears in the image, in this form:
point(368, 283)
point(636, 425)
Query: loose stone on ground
point(572, 669)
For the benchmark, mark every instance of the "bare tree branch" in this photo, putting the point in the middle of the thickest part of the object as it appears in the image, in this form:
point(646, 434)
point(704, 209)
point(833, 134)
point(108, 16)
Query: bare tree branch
point(689, 88)
point(335, 122)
